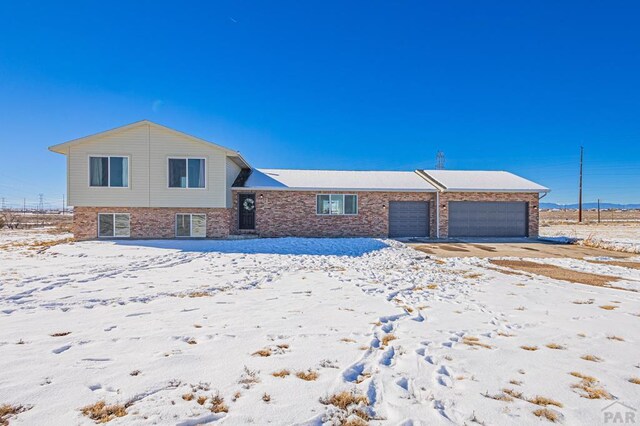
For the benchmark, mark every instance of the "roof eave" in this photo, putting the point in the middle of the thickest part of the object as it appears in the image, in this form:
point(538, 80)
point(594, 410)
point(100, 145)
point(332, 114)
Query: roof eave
point(275, 188)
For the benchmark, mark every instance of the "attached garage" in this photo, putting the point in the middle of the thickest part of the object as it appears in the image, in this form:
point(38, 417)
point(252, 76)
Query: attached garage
point(488, 219)
point(408, 219)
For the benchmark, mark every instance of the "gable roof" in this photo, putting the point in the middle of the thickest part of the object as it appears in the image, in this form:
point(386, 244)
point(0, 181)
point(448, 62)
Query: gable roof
point(344, 180)
point(480, 181)
point(62, 148)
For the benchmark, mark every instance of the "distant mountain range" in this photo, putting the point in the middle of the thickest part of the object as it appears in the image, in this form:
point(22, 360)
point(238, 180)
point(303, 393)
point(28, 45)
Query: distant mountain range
point(590, 206)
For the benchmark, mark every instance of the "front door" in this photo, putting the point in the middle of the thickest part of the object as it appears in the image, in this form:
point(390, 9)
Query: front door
point(246, 211)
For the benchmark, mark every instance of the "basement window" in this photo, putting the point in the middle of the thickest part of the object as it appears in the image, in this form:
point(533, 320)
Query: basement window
point(114, 225)
point(336, 204)
point(191, 225)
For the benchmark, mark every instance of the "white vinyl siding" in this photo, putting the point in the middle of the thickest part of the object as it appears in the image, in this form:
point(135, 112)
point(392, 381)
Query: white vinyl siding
point(166, 145)
point(114, 225)
point(191, 225)
point(132, 144)
point(233, 170)
point(148, 149)
point(336, 204)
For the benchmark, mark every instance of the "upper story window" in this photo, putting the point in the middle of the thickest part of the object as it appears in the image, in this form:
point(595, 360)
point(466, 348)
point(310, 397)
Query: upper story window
point(336, 204)
point(187, 173)
point(110, 171)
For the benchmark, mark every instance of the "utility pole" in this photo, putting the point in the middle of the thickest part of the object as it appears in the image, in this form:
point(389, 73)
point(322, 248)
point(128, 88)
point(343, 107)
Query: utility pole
point(598, 210)
point(440, 160)
point(580, 193)
point(24, 206)
point(62, 203)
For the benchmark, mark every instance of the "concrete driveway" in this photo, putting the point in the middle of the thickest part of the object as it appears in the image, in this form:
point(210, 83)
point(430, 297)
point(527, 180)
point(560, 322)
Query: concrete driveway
point(512, 248)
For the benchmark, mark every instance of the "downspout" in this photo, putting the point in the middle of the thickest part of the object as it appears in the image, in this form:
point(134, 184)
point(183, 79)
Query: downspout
point(438, 214)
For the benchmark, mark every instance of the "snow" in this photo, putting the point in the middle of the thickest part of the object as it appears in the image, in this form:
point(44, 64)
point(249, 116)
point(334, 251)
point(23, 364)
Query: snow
point(128, 306)
point(337, 179)
point(483, 180)
point(619, 237)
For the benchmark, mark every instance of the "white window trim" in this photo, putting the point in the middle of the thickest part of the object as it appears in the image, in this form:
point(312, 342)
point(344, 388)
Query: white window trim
point(206, 171)
point(191, 224)
point(109, 156)
point(114, 225)
point(338, 214)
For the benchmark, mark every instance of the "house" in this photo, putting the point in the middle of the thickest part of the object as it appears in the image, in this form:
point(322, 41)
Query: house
point(144, 180)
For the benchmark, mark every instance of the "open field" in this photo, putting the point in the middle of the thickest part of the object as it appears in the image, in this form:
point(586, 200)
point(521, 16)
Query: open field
point(589, 216)
point(308, 331)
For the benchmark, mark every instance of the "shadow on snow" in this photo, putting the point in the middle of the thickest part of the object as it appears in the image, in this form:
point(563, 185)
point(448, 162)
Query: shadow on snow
point(290, 246)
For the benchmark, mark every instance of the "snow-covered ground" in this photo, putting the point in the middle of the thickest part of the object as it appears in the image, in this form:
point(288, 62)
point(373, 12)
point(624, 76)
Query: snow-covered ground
point(153, 325)
point(620, 237)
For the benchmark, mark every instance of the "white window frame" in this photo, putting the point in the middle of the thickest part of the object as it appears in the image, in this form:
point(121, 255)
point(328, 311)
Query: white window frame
point(109, 156)
point(191, 224)
point(206, 170)
point(114, 225)
point(343, 204)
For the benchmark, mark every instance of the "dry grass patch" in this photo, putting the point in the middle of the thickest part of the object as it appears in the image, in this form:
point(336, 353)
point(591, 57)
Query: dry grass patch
point(632, 265)
point(541, 400)
point(617, 338)
point(218, 405)
point(199, 294)
point(7, 411)
point(60, 334)
point(635, 380)
point(344, 399)
point(266, 397)
point(608, 307)
point(283, 346)
point(515, 382)
point(589, 387)
point(513, 393)
point(432, 286)
point(201, 400)
point(188, 396)
point(591, 358)
point(386, 339)
point(529, 348)
point(100, 412)
point(498, 397)
point(192, 341)
point(505, 334)
point(545, 413)
point(555, 346)
point(347, 340)
point(557, 273)
point(262, 352)
point(584, 302)
point(309, 375)
point(249, 378)
point(475, 342)
point(281, 373)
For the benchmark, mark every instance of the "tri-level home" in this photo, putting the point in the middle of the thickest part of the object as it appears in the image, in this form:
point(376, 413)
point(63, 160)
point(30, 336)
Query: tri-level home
point(144, 180)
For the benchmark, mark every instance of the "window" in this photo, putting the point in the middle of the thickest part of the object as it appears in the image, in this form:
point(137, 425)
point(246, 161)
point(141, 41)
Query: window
point(191, 225)
point(336, 204)
point(109, 171)
point(186, 173)
point(113, 225)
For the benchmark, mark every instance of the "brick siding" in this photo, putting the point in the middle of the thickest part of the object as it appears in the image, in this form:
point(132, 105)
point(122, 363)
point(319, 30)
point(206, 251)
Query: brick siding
point(531, 198)
point(293, 213)
point(149, 222)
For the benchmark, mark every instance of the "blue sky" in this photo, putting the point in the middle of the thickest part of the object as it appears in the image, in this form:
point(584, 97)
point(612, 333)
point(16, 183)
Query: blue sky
point(338, 85)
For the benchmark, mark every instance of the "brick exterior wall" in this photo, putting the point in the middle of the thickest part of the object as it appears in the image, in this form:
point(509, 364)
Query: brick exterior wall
point(531, 198)
point(149, 222)
point(293, 213)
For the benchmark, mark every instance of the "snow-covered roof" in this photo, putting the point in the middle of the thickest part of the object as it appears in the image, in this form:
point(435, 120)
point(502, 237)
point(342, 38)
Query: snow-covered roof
point(481, 181)
point(288, 179)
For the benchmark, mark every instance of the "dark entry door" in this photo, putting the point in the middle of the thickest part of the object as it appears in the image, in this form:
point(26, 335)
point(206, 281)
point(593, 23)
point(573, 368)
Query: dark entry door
point(408, 219)
point(246, 211)
point(488, 219)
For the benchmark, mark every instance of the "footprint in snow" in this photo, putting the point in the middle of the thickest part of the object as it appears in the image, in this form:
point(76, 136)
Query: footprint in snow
point(61, 349)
